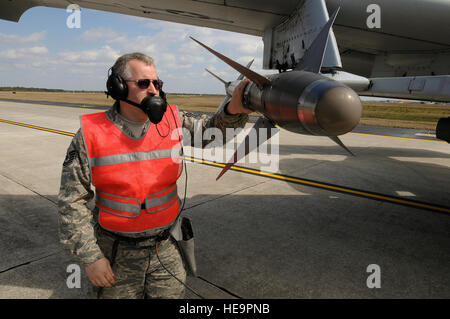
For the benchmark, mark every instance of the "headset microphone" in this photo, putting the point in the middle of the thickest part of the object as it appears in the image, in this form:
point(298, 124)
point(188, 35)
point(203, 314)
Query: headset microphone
point(152, 105)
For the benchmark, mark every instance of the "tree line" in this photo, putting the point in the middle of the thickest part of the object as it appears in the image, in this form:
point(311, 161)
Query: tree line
point(27, 89)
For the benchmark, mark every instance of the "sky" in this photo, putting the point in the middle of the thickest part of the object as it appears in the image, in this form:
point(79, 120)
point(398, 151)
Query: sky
point(42, 51)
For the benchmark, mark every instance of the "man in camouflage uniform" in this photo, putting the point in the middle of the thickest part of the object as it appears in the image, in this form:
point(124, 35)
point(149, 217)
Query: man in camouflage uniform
point(128, 267)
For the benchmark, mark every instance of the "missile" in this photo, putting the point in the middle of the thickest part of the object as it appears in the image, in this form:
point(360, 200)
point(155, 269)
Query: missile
point(301, 101)
point(304, 102)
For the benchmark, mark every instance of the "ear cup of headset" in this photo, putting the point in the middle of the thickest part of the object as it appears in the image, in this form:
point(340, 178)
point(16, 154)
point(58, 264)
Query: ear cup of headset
point(117, 87)
point(162, 95)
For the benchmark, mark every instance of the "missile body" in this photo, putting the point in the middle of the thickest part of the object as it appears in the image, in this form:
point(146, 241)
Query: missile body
point(305, 103)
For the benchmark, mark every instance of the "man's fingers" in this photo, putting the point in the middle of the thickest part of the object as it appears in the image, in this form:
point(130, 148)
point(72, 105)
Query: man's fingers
point(243, 84)
point(240, 89)
point(110, 275)
point(106, 282)
point(235, 106)
point(110, 278)
point(100, 273)
point(97, 283)
point(102, 282)
point(107, 277)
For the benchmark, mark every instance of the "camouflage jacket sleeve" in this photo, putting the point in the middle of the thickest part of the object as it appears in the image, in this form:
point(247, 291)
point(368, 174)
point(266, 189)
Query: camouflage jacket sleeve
point(197, 123)
point(76, 223)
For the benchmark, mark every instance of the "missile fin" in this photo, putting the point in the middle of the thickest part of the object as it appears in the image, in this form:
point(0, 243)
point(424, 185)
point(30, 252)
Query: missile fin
point(261, 123)
point(313, 57)
point(222, 105)
point(240, 77)
point(249, 64)
point(339, 142)
point(217, 77)
point(227, 97)
point(258, 79)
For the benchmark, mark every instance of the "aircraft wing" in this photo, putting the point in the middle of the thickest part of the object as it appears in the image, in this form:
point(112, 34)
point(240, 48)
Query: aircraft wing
point(412, 39)
point(243, 16)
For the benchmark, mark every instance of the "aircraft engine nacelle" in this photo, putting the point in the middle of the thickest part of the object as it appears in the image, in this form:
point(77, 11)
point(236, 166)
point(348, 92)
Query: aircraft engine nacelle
point(305, 103)
point(443, 129)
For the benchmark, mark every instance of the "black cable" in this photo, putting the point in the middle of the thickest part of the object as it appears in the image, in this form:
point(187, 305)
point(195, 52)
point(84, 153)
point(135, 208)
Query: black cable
point(189, 288)
point(181, 209)
point(184, 163)
point(221, 288)
point(199, 277)
point(185, 182)
point(168, 131)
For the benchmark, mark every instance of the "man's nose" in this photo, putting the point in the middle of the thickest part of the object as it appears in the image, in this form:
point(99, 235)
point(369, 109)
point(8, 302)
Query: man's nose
point(151, 89)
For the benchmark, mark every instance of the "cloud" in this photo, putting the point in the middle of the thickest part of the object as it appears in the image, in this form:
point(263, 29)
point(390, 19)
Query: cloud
point(168, 43)
point(103, 54)
point(14, 38)
point(38, 50)
point(24, 53)
point(100, 33)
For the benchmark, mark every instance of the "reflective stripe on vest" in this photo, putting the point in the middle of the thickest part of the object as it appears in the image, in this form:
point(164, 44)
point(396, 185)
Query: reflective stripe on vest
point(135, 179)
point(132, 157)
point(133, 209)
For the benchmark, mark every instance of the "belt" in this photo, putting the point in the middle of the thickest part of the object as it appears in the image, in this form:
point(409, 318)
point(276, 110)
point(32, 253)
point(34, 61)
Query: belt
point(165, 234)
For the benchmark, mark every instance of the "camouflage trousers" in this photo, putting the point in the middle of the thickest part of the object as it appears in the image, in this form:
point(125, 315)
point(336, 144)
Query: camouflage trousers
point(137, 271)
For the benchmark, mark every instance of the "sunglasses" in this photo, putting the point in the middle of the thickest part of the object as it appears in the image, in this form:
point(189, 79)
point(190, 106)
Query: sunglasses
point(145, 83)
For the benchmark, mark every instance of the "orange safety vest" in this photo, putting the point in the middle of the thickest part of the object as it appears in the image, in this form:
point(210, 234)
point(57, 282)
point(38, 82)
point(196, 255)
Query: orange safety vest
point(135, 179)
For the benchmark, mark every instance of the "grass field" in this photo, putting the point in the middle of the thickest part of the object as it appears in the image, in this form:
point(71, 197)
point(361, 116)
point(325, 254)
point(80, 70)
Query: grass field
point(406, 115)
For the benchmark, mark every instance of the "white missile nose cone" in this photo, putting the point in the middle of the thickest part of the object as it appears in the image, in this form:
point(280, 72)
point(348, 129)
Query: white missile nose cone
point(338, 110)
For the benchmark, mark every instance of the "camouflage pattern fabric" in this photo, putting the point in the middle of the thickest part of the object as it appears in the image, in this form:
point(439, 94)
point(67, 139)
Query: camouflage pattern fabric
point(77, 221)
point(138, 272)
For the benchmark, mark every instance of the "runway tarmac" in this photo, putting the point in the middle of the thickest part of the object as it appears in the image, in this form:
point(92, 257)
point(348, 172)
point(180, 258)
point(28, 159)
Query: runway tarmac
point(309, 230)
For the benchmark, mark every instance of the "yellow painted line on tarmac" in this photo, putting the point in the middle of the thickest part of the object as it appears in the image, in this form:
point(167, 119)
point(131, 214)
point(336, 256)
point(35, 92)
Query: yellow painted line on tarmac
point(331, 187)
point(49, 103)
point(400, 137)
point(291, 179)
point(38, 127)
